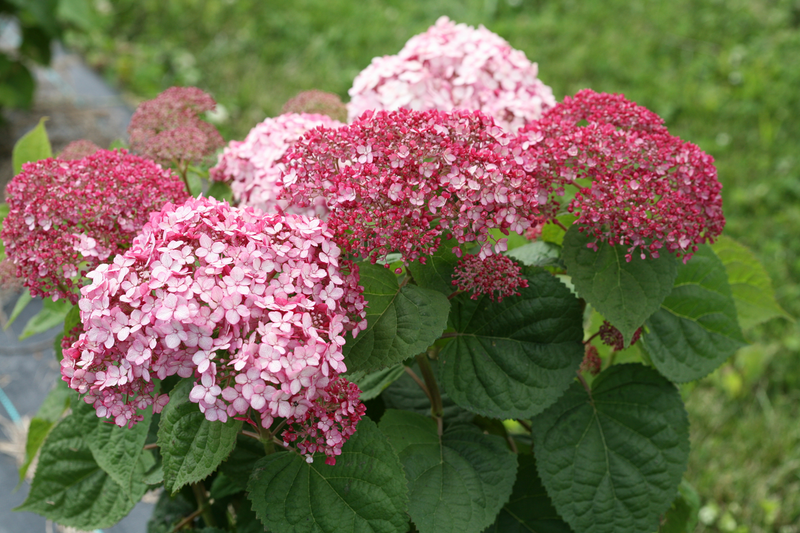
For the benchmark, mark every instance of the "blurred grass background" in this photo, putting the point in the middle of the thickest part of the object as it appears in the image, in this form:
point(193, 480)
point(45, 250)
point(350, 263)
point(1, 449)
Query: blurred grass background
point(723, 74)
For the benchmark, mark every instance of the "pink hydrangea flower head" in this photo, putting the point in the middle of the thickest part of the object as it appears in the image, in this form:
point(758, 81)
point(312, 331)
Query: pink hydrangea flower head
point(317, 103)
point(67, 217)
point(454, 66)
point(254, 307)
point(254, 166)
point(400, 181)
point(169, 130)
point(496, 276)
point(78, 150)
point(646, 189)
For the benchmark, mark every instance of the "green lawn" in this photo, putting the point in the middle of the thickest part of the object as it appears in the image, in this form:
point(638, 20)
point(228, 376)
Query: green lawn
point(724, 74)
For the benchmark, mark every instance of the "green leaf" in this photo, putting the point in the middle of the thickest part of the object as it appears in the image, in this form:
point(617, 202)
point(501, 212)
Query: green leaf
point(537, 253)
point(612, 459)
point(683, 515)
point(372, 384)
point(514, 358)
point(16, 85)
point(51, 315)
point(239, 465)
point(750, 284)
point(221, 191)
point(55, 403)
point(22, 302)
point(401, 322)
point(626, 293)
point(554, 233)
point(223, 486)
point(437, 272)
point(456, 483)
point(696, 329)
point(70, 487)
point(529, 510)
point(191, 446)
point(406, 394)
point(33, 146)
point(117, 450)
point(365, 491)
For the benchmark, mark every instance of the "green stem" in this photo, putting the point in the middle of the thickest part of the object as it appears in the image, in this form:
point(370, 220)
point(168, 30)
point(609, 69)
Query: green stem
point(437, 409)
point(203, 506)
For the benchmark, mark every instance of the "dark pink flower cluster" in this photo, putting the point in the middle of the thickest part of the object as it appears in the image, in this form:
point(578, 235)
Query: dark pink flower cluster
point(635, 184)
point(454, 66)
point(78, 150)
point(397, 181)
point(496, 276)
point(169, 130)
point(253, 306)
point(611, 336)
point(317, 103)
point(591, 360)
point(253, 167)
point(66, 217)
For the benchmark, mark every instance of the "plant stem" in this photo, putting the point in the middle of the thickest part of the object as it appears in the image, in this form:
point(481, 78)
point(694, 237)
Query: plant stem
point(587, 341)
point(524, 424)
point(203, 506)
point(419, 382)
point(152, 446)
point(437, 410)
point(559, 224)
point(187, 520)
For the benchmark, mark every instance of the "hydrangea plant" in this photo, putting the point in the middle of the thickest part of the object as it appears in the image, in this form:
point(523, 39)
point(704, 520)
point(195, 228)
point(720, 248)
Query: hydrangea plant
point(385, 325)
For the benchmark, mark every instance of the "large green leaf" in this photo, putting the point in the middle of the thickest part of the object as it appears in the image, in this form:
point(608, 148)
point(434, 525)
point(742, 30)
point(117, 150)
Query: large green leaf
point(456, 483)
point(750, 284)
point(529, 510)
point(239, 465)
point(696, 329)
point(513, 358)
point(537, 253)
point(612, 459)
point(51, 315)
point(364, 492)
point(33, 146)
point(625, 292)
point(70, 487)
point(191, 446)
point(437, 272)
point(401, 322)
point(372, 384)
point(55, 403)
point(117, 450)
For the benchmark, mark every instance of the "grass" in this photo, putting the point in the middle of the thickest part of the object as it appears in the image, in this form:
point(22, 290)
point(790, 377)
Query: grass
point(723, 74)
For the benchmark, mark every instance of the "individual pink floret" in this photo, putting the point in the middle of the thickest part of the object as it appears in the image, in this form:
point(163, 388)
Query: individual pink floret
point(254, 166)
point(254, 307)
point(68, 216)
point(635, 184)
point(400, 181)
point(454, 66)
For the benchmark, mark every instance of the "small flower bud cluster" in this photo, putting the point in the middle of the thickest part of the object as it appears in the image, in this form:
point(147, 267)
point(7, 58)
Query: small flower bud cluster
point(611, 336)
point(253, 306)
point(78, 150)
point(496, 276)
point(649, 190)
point(454, 66)
point(254, 166)
point(66, 217)
point(317, 103)
point(168, 129)
point(591, 360)
point(397, 181)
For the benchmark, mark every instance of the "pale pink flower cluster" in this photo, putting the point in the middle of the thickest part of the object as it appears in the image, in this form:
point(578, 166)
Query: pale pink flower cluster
point(455, 66)
point(253, 306)
point(254, 166)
